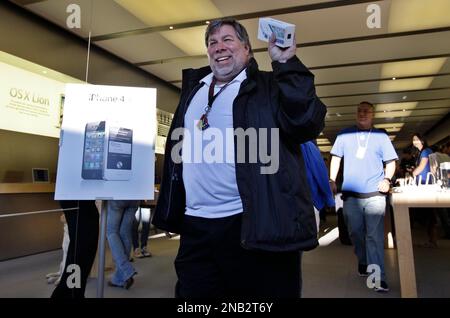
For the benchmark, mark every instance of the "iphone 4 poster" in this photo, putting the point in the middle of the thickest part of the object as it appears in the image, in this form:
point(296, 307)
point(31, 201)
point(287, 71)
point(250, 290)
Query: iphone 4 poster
point(107, 143)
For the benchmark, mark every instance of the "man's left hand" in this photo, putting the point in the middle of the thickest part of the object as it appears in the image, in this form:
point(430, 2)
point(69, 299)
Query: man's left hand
point(279, 54)
point(384, 186)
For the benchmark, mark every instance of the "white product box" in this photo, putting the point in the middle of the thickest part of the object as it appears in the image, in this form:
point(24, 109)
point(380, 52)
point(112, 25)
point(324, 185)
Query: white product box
point(284, 32)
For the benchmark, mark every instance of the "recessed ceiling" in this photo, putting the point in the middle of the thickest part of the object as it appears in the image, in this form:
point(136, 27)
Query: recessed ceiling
point(351, 62)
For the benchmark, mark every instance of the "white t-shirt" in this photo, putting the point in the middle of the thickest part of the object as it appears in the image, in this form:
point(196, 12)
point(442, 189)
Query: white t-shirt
point(209, 172)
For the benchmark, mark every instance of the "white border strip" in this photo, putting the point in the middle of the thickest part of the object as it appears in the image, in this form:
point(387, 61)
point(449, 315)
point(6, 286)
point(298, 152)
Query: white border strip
point(35, 212)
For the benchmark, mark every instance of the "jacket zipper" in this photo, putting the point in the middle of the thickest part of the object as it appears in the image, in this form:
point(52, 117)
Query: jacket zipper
point(172, 176)
point(170, 190)
point(244, 200)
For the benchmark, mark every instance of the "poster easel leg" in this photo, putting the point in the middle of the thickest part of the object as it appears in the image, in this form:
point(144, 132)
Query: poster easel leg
point(101, 261)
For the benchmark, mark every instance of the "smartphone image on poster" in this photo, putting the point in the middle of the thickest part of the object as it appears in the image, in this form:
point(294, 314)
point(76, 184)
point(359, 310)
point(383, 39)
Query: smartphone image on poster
point(118, 154)
point(93, 151)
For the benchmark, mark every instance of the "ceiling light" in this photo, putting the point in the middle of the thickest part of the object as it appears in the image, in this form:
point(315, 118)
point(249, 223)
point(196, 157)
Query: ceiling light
point(161, 12)
point(207, 22)
point(405, 84)
point(404, 97)
point(393, 114)
point(393, 129)
point(387, 126)
point(408, 15)
point(322, 141)
point(412, 68)
point(393, 78)
point(392, 107)
point(325, 148)
point(171, 27)
point(191, 41)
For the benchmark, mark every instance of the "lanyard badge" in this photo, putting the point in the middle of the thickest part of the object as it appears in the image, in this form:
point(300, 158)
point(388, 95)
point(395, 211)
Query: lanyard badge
point(361, 152)
point(203, 122)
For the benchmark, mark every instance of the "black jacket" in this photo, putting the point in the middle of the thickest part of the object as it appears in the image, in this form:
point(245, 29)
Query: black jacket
point(278, 210)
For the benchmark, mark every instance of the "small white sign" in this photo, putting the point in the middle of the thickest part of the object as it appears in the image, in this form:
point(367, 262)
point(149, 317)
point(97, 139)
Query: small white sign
point(29, 103)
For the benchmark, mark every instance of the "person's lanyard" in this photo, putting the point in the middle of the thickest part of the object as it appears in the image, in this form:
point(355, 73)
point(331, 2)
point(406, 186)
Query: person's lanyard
point(367, 141)
point(203, 122)
point(361, 151)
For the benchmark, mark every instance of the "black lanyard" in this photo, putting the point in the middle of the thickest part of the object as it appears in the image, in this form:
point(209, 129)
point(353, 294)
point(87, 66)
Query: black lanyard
point(203, 123)
point(211, 96)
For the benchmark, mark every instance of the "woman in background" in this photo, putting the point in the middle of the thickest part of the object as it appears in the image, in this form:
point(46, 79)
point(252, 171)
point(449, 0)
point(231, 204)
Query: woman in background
point(421, 171)
point(422, 162)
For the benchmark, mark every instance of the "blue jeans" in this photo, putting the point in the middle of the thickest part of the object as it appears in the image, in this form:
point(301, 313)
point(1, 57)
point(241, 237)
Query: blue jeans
point(118, 231)
point(365, 222)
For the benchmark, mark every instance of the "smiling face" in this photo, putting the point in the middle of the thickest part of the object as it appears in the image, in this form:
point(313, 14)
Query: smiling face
point(417, 142)
point(227, 54)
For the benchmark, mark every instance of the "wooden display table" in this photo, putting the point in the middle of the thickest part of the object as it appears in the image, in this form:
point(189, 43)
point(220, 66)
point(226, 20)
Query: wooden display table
point(421, 197)
point(9, 188)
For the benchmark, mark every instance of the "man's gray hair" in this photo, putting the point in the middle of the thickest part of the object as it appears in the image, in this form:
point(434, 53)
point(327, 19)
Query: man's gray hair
point(241, 32)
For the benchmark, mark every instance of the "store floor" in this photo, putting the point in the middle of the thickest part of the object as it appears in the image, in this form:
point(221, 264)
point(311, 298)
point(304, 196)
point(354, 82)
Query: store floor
point(328, 271)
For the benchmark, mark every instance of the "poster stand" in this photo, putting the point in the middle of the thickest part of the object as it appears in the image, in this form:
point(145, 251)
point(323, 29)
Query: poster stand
point(112, 101)
point(110, 162)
